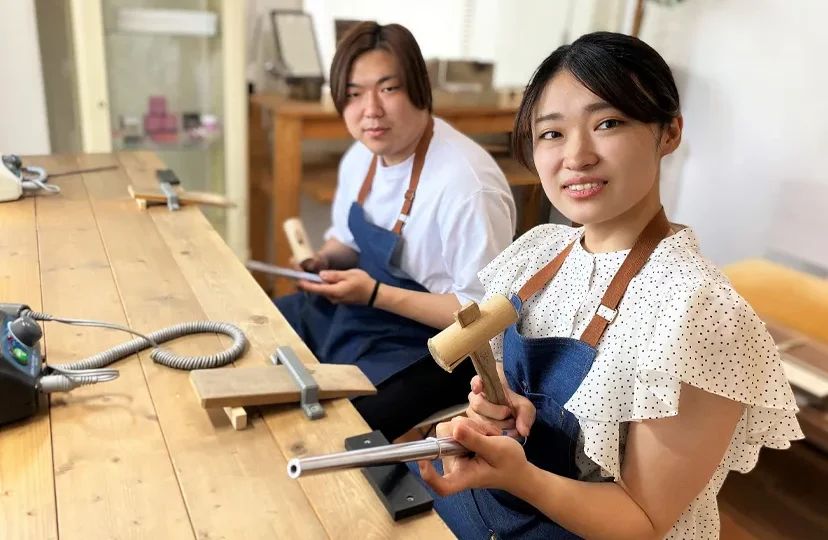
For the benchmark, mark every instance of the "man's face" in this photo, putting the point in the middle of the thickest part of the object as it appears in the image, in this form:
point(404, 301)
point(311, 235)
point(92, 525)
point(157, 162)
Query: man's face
point(378, 111)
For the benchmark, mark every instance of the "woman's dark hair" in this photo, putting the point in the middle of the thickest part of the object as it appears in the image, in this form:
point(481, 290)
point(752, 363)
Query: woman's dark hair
point(396, 40)
point(620, 69)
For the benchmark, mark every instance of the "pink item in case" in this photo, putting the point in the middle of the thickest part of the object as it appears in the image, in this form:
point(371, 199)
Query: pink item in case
point(158, 106)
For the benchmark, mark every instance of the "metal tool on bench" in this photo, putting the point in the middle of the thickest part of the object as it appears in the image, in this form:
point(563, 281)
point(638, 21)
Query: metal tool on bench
point(308, 388)
point(171, 195)
point(167, 179)
point(286, 380)
point(25, 379)
point(16, 179)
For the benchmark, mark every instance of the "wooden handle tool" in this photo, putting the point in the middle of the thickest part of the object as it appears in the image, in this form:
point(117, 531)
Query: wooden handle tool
point(151, 197)
point(299, 242)
point(469, 336)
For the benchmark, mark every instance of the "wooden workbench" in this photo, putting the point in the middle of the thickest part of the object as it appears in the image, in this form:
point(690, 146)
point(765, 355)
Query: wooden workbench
point(138, 457)
point(276, 162)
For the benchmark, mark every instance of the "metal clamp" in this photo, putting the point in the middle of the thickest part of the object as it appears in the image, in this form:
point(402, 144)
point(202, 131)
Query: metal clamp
point(172, 196)
point(308, 387)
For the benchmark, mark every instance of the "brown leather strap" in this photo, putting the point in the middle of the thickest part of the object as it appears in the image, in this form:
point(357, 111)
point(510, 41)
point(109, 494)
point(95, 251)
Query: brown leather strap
point(368, 182)
point(653, 233)
point(545, 275)
point(648, 240)
point(417, 168)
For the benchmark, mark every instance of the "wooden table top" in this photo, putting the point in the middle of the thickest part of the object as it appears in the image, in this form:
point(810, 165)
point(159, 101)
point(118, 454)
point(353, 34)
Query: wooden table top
point(791, 297)
point(138, 457)
point(445, 104)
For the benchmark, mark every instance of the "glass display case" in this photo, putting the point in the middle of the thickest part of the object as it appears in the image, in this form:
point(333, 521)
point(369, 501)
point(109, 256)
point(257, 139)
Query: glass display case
point(165, 93)
point(173, 83)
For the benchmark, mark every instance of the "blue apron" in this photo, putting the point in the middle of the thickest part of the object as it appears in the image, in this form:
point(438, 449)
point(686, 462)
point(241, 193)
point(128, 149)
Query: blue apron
point(380, 343)
point(547, 371)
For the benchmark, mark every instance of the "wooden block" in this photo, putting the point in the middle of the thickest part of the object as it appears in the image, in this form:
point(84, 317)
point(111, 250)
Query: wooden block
point(237, 416)
point(270, 385)
point(467, 314)
point(145, 196)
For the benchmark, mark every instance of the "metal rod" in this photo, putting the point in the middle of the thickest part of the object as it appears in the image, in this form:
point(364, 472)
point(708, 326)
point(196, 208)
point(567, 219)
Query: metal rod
point(83, 171)
point(429, 449)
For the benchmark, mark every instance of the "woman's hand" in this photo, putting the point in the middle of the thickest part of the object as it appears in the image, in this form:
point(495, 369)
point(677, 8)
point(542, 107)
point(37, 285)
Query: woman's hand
point(499, 462)
point(519, 414)
point(343, 286)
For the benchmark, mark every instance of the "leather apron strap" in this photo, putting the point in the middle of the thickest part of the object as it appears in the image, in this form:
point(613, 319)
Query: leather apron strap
point(419, 160)
point(656, 230)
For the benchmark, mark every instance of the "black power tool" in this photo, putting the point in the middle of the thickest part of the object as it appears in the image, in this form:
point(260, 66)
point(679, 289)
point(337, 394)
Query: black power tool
point(25, 379)
point(20, 364)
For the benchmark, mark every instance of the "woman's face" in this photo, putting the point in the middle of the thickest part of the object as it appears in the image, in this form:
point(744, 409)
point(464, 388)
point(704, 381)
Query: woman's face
point(595, 163)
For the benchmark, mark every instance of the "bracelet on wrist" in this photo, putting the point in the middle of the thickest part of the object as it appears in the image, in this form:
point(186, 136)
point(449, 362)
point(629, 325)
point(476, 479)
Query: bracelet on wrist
point(374, 293)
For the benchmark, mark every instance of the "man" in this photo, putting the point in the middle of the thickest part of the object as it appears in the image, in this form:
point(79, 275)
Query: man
point(419, 209)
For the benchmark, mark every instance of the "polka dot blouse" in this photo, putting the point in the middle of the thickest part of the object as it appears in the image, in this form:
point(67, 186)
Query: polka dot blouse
point(680, 321)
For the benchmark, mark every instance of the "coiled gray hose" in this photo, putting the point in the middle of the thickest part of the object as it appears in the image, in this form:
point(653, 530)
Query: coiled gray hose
point(88, 370)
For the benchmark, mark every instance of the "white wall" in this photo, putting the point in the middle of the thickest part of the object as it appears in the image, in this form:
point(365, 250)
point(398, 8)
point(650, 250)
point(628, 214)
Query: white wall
point(23, 123)
point(435, 24)
point(752, 77)
point(516, 34)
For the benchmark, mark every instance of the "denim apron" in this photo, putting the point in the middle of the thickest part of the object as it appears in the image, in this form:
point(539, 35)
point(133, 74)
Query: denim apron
point(547, 371)
point(380, 343)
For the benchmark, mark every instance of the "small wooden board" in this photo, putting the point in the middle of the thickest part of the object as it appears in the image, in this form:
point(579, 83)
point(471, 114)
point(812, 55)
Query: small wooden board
point(271, 385)
point(147, 196)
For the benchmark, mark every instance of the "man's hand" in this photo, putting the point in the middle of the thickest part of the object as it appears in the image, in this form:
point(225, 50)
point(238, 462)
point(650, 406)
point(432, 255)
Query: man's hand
point(499, 462)
point(519, 414)
point(343, 286)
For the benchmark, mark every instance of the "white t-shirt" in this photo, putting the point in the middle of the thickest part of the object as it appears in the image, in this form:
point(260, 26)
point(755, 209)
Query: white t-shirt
point(680, 321)
point(463, 213)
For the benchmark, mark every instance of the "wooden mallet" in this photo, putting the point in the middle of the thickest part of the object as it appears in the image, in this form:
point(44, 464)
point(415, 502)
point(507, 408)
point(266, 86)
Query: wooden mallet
point(475, 324)
point(298, 238)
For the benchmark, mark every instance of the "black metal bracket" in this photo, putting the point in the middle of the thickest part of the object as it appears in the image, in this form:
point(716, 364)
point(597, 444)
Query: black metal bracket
point(400, 491)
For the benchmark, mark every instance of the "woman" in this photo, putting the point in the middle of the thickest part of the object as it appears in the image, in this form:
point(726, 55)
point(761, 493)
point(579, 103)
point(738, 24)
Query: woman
point(419, 209)
point(639, 377)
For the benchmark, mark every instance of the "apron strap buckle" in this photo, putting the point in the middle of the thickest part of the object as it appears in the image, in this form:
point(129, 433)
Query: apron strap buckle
point(606, 313)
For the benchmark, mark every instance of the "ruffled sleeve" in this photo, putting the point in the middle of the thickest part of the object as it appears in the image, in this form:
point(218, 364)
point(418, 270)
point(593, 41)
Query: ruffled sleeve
point(705, 335)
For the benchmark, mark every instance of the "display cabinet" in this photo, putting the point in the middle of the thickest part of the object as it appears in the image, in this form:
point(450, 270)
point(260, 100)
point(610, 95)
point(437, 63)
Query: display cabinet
point(168, 76)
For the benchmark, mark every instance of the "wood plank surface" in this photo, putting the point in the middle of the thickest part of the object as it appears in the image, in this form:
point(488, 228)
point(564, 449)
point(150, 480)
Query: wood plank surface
point(113, 475)
point(27, 491)
point(344, 502)
point(233, 483)
point(793, 298)
point(272, 385)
